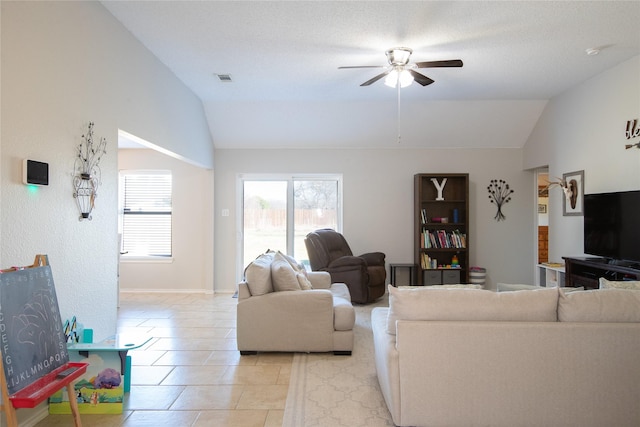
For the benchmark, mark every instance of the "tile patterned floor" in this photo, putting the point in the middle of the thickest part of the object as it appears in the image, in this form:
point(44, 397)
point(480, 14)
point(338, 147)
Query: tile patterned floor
point(190, 373)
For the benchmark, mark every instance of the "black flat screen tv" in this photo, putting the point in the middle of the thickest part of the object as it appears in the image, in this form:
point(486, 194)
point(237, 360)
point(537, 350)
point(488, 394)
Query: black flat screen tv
point(612, 226)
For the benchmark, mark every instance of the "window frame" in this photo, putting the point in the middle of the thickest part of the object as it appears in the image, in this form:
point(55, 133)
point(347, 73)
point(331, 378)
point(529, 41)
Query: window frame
point(126, 257)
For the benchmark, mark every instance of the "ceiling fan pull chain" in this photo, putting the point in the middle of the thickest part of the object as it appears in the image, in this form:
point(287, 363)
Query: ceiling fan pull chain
point(399, 137)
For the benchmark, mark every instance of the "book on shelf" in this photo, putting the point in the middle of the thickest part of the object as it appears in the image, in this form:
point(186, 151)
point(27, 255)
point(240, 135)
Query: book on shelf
point(423, 216)
point(426, 262)
point(442, 239)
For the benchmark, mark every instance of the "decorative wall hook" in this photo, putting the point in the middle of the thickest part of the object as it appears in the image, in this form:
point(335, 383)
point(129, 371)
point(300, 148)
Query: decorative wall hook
point(499, 193)
point(87, 176)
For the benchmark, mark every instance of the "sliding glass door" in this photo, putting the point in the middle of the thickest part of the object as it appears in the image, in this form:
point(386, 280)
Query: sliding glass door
point(315, 205)
point(264, 218)
point(278, 212)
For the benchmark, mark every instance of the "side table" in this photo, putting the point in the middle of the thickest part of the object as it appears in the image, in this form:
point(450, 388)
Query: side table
point(412, 273)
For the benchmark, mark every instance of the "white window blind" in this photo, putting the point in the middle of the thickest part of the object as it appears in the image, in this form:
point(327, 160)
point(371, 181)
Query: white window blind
point(146, 224)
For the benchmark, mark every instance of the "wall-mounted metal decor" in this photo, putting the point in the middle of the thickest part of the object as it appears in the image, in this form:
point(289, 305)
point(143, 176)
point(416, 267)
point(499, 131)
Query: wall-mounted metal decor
point(87, 176)
point(499, 193)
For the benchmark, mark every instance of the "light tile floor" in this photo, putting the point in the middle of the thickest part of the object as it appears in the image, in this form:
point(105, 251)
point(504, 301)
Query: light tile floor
point(191, 373)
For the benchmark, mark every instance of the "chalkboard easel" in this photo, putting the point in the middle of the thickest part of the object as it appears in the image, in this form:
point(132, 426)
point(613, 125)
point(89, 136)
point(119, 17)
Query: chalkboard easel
point(34, 362)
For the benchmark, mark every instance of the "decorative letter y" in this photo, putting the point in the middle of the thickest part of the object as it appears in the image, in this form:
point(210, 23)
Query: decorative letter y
point(439, 187)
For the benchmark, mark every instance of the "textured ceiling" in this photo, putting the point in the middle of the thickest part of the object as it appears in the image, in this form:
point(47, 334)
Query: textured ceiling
point(287, 90)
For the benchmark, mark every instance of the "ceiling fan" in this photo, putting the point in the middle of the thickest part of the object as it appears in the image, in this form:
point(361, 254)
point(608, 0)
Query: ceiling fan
point(400, 73)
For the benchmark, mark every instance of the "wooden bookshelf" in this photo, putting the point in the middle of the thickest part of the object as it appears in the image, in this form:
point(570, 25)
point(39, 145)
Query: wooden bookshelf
point(441, 224)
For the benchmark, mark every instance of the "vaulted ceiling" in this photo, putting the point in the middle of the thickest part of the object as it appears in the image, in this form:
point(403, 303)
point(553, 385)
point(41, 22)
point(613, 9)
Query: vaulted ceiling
point(287, 91)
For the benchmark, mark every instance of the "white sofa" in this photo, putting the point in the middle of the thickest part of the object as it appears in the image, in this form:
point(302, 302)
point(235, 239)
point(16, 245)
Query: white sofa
point(464, 357)
point(283, 308)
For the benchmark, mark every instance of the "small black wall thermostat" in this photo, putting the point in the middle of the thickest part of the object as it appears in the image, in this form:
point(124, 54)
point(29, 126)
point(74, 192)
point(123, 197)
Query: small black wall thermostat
point(35, 173)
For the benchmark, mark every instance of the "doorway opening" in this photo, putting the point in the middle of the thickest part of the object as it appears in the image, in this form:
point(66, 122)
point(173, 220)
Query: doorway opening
point(543, 215)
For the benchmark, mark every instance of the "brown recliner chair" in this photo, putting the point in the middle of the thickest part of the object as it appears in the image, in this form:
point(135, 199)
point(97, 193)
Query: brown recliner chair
point(364, 275)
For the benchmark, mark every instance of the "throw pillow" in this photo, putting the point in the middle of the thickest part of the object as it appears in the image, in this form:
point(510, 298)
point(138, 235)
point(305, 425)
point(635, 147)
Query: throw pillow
point(297, 266)
point(457, 286)
point(283, 276)
point(258, 275)
point(450, 286)
point(303, 281)
point(572, 289)
point(506, 287)
point(301, 272)
point(471, 304)
point(624, 284)
point(600, 305)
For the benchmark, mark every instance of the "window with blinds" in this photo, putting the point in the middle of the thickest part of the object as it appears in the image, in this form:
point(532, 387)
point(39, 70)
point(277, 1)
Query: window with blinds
point(146, 219)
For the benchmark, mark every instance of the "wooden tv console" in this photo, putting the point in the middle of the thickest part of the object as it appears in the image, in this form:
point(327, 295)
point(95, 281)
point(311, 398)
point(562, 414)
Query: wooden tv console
point(587, 271)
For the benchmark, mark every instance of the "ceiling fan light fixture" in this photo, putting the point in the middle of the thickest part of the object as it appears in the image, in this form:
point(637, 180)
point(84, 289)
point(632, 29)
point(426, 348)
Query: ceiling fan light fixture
point(405, 78)
point(392, 79)
point(400, 73)
point(401, 77)
point(399, 55)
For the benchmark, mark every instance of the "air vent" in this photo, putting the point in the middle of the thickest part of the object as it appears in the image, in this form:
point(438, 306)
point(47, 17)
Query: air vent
point(225, 78)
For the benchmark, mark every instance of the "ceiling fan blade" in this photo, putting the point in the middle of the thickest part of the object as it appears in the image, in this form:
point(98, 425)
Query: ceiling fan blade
point(375, 79)
point(362, 66)
point(434, 64)
point(422, 79)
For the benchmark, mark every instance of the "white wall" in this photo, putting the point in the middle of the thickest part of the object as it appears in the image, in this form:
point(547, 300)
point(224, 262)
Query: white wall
point(584, 129)
point(65, 64)
point(192, 210)
point(60, 71)
point(378, 202)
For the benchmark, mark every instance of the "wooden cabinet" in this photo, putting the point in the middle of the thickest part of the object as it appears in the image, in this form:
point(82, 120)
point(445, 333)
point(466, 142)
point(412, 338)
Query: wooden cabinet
point(543, 243)
point(441, 228)
point(587, 271)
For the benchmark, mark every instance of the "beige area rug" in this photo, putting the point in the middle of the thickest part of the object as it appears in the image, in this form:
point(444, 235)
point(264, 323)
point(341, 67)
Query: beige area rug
point(331, 391)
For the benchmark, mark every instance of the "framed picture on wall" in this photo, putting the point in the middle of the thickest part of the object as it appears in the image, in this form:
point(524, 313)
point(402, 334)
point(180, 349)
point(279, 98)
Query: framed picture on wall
point(573, 205)
point(542, 208)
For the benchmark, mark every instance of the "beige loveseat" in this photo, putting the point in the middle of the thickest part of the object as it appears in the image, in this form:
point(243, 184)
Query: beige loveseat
point(463, 357)
point(283, 308)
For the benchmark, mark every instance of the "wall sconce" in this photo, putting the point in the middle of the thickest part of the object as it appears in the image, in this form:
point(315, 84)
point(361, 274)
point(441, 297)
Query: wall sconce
point(87, 175)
